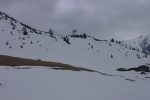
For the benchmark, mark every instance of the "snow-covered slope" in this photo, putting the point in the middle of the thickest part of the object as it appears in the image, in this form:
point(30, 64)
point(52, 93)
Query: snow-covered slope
point(45, 84)
point(81, 50)
point(20, 40)
point(142, 43)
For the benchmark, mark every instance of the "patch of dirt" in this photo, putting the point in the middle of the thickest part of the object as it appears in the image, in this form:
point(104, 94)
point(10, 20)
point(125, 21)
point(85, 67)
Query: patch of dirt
point(15, 61)
point(22, 63)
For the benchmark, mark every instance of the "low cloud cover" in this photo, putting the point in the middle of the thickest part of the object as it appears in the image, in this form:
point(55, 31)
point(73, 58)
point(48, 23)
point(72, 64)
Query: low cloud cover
point(121, 19)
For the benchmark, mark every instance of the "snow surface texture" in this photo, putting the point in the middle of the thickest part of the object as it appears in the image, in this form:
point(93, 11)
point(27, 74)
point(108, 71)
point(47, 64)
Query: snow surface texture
point(19, 40)
point(46, 84)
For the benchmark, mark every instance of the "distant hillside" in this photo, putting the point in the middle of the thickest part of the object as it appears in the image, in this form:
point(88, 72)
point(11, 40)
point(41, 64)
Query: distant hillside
point(77, 49)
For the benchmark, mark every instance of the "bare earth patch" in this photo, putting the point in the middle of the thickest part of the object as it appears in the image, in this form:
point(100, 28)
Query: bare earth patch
point(22, 63)
point(15, 61)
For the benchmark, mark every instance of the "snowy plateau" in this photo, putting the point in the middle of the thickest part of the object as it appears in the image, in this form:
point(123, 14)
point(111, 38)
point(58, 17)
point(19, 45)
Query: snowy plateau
point(43, 65)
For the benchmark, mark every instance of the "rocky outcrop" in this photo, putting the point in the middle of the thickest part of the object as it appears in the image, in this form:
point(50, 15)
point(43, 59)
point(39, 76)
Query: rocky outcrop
point(143, 68)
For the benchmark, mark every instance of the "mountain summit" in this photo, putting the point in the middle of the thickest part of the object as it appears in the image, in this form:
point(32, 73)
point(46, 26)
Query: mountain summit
point(142, 42)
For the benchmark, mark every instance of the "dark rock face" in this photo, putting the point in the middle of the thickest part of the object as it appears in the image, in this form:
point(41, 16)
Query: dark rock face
point(121, 69)
point(145, 45)
point(148, 49)
point(143, 73)
point(143, 68)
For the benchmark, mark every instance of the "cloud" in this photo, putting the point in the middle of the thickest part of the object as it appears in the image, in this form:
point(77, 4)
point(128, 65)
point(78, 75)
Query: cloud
point(121, 19)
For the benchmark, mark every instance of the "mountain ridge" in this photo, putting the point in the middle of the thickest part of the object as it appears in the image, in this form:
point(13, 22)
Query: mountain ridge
point(142, 43)
point(77, 49)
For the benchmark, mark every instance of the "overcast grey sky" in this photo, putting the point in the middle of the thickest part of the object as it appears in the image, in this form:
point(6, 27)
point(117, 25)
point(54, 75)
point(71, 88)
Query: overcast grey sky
point(122, 19)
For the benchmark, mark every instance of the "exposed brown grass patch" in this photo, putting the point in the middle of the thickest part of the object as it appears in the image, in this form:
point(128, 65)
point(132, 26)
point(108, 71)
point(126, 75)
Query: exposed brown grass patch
point(15, 61)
